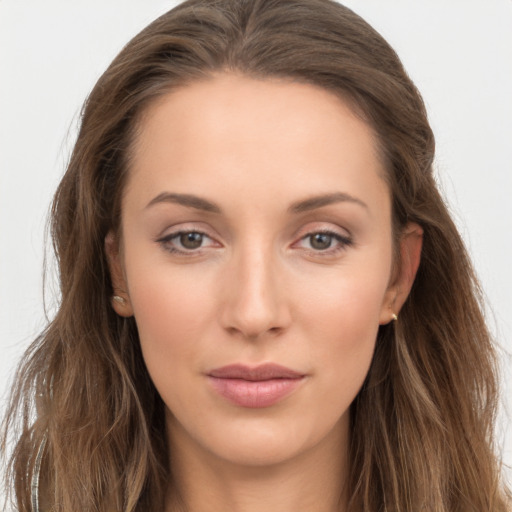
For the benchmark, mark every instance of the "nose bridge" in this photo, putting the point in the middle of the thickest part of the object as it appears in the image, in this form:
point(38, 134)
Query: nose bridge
point(255, 303)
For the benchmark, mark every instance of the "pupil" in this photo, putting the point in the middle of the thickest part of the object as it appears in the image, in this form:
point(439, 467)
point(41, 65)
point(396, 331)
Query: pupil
point(191, 240)
point(321, 241)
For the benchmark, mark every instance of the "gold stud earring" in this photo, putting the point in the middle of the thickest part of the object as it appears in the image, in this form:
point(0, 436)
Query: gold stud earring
point(394, 317)
point(119, 300)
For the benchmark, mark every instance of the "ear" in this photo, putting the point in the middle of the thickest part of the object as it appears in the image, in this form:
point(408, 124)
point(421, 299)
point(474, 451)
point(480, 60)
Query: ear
point(411, 242)
point(120, 300)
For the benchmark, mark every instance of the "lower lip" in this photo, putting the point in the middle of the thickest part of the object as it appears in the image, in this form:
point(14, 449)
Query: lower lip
point(254, 394)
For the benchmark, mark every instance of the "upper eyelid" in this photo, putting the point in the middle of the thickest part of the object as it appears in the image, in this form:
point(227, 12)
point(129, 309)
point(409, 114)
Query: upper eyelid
point(174, 231)
point(340, 230)
point(327, 229)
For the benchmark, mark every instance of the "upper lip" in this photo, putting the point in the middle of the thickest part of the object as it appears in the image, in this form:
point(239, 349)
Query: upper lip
point(266, 371)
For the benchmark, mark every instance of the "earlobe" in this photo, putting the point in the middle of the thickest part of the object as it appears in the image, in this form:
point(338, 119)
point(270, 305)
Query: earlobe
point(120, 300)
point(411, 243)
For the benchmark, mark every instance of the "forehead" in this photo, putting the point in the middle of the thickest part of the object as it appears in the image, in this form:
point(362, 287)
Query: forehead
point(262, 137)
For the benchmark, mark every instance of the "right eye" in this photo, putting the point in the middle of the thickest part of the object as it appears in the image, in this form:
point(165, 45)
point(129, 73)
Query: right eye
point(184, 242)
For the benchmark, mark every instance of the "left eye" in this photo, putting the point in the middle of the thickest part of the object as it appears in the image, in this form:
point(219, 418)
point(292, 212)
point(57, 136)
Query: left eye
point(323, 241)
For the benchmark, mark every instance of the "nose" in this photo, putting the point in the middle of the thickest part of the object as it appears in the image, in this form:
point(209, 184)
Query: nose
point(256, 302)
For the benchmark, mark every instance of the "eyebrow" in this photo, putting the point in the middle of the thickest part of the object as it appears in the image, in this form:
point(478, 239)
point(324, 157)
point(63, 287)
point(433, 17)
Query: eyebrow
point(304, 205)
point(188, 200)
point(314, 202)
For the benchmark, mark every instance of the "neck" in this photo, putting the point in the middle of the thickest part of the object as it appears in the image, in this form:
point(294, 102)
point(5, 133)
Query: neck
point(310, 482)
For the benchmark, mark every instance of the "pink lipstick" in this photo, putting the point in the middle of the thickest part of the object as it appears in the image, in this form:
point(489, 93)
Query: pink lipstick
point(260, 386)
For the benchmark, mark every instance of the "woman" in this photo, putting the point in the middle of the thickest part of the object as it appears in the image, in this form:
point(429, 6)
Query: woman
point(265, 303)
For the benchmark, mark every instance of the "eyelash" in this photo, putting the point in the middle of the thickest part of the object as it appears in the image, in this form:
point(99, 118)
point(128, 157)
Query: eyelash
point(344, 242)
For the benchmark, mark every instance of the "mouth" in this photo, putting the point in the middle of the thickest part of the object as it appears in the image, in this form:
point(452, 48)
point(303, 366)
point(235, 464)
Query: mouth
point(255, 387)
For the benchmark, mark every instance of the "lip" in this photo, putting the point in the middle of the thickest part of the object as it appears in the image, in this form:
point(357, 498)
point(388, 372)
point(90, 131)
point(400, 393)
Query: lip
point(255, 387)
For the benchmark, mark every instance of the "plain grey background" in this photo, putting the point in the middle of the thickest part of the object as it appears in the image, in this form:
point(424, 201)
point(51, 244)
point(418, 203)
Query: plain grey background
point(459, 53)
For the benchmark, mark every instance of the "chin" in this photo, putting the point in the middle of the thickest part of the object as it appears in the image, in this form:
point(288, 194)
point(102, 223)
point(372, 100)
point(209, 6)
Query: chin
point(257, 449)
point(256, 442)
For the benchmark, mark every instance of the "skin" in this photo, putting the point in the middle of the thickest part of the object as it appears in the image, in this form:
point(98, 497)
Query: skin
point(259, 287)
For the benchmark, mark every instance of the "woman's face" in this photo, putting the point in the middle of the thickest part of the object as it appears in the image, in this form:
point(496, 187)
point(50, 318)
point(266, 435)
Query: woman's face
point(256, 231)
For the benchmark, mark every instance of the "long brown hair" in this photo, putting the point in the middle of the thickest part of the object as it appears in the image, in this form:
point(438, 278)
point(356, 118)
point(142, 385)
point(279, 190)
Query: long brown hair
point(421, 426)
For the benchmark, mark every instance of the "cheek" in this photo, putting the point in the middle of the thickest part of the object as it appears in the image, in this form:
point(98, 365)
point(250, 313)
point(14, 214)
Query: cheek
point(342, 321)
point(172, 312)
